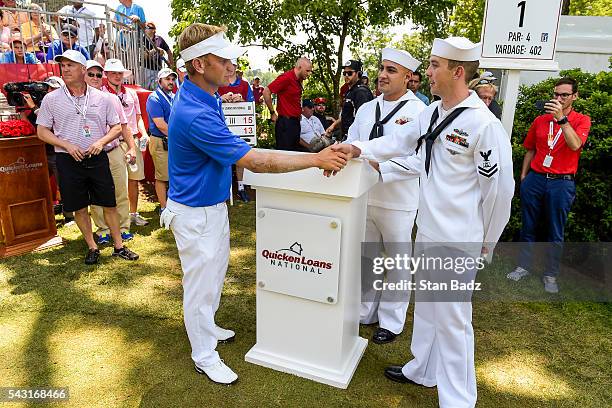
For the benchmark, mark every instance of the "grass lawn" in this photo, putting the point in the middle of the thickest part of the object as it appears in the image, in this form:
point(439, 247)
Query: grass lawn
point(114, 335)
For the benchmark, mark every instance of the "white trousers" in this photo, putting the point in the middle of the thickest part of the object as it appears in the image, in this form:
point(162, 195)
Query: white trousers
point(443, 348)
point(202, 239)
point(387, 307)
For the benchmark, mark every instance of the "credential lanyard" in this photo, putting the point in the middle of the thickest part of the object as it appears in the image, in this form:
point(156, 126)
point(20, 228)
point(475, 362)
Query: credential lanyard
point(82, 111)
point(553, 141)
point(163, 95)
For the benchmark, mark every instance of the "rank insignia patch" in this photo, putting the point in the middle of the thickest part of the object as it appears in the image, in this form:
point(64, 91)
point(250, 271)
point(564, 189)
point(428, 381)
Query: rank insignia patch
point(487, 169)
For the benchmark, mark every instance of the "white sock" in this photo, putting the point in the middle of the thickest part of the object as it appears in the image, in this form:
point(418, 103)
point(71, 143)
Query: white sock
point(240, 185)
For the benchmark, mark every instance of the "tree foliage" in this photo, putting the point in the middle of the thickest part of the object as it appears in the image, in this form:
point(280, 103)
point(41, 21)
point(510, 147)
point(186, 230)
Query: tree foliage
point(328, 25)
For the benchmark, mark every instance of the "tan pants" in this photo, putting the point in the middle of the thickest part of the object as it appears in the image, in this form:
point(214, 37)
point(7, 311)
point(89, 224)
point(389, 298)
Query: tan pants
point(118, 168)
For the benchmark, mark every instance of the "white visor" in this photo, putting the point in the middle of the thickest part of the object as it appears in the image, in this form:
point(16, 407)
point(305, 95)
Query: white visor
point(217, 45)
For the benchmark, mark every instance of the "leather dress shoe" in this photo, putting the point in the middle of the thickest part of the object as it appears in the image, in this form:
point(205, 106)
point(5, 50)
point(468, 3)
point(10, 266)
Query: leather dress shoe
point(382, 336)
point(394, 373)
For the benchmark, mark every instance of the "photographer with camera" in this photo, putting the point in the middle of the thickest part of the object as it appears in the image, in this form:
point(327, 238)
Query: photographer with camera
point(27, 97)
point(159, 106)
point(554, 143)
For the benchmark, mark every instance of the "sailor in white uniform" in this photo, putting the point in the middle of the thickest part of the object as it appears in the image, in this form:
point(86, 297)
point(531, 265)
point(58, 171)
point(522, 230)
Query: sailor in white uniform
point(465, 193)
point(393, 202)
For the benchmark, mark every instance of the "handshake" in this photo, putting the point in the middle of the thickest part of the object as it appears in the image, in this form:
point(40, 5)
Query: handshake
point(333, 158)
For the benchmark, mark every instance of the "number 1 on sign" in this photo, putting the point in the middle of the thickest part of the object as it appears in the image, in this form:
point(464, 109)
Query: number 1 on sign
point(522, 17)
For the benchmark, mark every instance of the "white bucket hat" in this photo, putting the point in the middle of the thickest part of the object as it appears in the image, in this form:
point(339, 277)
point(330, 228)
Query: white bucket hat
point(115, 65)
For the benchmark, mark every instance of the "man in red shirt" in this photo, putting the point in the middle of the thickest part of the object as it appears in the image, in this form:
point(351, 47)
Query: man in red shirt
point(553, 144)
point(288, 88)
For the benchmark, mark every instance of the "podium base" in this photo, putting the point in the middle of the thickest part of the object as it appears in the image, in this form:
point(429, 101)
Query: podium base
point(339, 378)
point(32, 246)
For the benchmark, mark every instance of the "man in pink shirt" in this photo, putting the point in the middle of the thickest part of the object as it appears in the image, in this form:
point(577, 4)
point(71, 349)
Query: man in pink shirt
point(80, 121)
point(116, 73)
point(117, 160)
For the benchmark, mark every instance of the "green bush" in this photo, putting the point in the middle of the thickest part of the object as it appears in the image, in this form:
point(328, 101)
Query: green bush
point(591, 215)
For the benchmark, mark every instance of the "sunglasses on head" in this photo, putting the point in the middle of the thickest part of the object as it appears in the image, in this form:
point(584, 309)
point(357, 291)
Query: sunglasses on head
point(92, 75)
point(348, 73)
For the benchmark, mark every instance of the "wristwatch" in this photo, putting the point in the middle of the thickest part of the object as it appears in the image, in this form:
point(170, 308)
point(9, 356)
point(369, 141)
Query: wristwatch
point(562, 121)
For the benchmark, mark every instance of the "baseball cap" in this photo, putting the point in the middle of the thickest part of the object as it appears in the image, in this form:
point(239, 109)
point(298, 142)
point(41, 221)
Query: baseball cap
point(166, 72)
point(54, 82)
point(72, 55)
point(93, 63)
point(70, 29)
point(307, 103)
point(320, 101)
point(180, 65)
point(355, 65)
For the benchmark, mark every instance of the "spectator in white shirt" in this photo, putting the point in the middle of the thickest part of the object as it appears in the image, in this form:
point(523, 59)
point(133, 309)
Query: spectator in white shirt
point(310, 125)
point(87, 23)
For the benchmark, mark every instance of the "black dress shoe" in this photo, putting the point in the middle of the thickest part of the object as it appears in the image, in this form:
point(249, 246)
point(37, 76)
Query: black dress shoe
point(382, 336)
point(92, 257)
point(394, 373)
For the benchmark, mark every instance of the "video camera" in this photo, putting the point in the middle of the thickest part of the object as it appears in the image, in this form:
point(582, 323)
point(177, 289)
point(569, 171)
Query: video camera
point(15, 91)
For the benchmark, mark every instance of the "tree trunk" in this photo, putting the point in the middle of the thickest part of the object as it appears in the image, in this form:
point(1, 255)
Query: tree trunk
point(565, 7)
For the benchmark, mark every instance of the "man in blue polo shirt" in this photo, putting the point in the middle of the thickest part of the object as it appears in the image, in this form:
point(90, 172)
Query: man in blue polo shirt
point(69, 41)
point(201, 153)
point(159, 105)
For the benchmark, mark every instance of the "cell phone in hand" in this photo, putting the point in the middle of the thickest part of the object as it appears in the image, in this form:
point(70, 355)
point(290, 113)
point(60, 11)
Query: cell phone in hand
point(539, 105)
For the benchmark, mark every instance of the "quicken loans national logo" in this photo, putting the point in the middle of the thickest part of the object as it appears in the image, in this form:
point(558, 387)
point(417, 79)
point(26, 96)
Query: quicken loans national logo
point(293, 258)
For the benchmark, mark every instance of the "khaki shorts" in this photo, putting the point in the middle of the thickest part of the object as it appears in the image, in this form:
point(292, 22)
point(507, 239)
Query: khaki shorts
point(140, 173)
point(160, 158)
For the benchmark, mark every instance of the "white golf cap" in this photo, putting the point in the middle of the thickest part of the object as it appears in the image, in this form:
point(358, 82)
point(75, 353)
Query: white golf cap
point(180, 65)
point(115, 65)
point(488, 75)
point(235, 61)
point(54, 82)
point(71, 55)
point(456, 48)
point(93, 63)
point(401, 57)
point(217, 45)
point(166, 72)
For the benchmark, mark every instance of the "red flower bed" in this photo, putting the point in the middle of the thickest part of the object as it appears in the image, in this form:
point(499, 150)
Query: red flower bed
point(16, 128)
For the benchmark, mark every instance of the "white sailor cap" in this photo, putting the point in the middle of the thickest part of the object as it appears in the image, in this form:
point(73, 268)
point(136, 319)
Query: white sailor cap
point(456, 48)
point(401, 57)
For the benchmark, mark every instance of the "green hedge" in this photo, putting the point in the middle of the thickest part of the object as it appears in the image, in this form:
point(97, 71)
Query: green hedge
point(591, 215)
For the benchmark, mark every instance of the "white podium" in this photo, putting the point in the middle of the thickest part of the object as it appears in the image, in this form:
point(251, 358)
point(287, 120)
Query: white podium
point(309, 234)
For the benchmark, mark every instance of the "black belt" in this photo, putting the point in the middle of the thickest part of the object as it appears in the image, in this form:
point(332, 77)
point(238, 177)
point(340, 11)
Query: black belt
point(553, 176)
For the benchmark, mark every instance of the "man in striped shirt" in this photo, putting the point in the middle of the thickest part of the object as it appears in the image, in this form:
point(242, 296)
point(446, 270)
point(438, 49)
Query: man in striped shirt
point(80, 121)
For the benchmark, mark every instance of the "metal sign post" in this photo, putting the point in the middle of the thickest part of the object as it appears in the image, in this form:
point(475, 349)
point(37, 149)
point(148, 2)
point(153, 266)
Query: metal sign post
point(519, 36)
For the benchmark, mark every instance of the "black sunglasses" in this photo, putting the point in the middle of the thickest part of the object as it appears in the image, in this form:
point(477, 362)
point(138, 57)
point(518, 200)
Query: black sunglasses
point(563, 95)
point(348, 73)
point(92, 75)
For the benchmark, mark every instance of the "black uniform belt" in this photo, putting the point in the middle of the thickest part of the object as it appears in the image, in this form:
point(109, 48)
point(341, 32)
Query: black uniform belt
point(554, 176)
